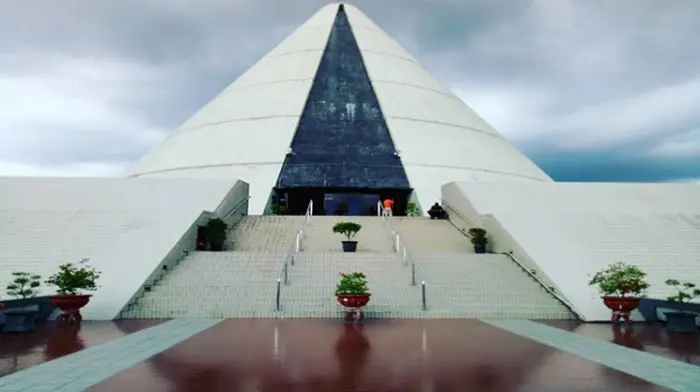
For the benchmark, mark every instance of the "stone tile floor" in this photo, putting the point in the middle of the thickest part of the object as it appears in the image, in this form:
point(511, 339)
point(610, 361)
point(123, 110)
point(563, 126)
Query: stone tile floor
point(651, 338)
point(22, 351)
point(327, 355)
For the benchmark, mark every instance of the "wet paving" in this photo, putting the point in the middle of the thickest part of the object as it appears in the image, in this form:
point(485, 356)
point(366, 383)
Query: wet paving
point(652, 338)
point(392, 355)
point(20, 351)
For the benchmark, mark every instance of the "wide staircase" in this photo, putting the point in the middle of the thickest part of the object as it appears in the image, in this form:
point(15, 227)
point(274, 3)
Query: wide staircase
point(434, 274)
point(238, 282)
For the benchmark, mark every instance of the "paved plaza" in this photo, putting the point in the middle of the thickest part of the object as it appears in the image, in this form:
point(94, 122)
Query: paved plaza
point(328, 355)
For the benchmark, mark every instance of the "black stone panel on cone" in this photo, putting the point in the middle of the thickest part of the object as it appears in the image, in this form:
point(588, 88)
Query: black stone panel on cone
point(342, 140)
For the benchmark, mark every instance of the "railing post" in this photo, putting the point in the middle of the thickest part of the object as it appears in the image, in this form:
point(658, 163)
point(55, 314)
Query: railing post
point(413, 274)
point(405, 256)
point(398, 243)
point(296, 242)
point(422, 288)
point(379, 208)
point(286, 274)
point(279, 289)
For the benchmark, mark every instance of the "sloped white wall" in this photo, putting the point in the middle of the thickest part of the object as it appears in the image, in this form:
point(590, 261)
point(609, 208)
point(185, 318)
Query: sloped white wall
point(439, 137)
point(125, 226)
point(568, 231)
point(245, 132)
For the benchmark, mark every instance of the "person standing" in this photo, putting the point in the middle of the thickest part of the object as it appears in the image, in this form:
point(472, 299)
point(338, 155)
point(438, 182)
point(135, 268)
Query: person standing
point(388, 205)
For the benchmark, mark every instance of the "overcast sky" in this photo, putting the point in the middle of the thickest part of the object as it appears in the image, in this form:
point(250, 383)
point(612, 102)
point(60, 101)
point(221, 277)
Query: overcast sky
point(592, 90)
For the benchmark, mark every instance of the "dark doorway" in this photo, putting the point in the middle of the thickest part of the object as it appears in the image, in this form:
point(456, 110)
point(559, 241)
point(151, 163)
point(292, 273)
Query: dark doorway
point(341, 201)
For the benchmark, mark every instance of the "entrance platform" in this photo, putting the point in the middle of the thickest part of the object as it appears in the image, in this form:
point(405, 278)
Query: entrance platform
point(327, 355)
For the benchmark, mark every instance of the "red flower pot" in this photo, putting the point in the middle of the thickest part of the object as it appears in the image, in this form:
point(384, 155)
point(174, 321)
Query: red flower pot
point(70, 305)
point(353, 300)
point(621, 307)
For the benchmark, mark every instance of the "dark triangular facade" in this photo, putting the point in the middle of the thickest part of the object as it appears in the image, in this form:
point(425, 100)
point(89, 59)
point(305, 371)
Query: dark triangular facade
point(342, 139)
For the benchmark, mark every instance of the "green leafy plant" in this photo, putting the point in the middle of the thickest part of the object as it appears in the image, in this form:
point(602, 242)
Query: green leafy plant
point(620, 279)
point(277, 209)
point(348, 229)
point(71, 279)
point(478, 236)
point(352, 283)
point(216, 233)
point(412, 209)
point(685, 292)
point(24, 285)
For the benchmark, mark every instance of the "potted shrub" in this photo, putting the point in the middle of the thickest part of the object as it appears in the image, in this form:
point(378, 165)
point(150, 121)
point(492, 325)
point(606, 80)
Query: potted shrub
point(412, 210)
point(478, 238)
point(23, 319)
point(348, 229)
point(622, 285)
point(70, 281)
point(216, 234)
point(352, 293)
point(682, 322)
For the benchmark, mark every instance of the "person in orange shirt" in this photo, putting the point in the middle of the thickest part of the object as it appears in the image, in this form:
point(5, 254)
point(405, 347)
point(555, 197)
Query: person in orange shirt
point(388, 205)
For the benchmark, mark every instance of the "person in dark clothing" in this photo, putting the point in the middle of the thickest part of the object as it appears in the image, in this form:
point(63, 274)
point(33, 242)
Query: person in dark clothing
point(437, 212)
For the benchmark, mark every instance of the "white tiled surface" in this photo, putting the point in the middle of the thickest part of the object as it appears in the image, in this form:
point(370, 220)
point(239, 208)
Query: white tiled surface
point(125, 226)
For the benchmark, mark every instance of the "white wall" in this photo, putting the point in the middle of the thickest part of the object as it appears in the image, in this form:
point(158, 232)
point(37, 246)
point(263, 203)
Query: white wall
point(439, 137)
point(126, 227)
point(568, 231)
point(245, 132)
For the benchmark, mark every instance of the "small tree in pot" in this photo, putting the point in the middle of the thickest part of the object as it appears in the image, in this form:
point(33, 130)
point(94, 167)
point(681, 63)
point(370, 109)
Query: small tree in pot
point(479, 239)
point(348, 229)
point(23, 319)
point(216, 234)
point(353, 293)
point(622, 285)
point(70, 281)
point(682, 322)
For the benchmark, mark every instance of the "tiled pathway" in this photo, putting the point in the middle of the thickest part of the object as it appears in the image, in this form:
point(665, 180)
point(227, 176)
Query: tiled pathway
point(79, 371)
point(674, 375)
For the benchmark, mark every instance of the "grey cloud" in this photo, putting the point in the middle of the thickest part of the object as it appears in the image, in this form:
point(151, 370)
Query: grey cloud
point(570, 54)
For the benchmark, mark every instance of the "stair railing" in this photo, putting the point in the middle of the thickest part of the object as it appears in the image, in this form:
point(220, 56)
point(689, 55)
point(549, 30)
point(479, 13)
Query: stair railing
point(235, 208)
point(289, 257)
point(547, 288)
point(452, 210)
point(400, 247)
point(284, 274)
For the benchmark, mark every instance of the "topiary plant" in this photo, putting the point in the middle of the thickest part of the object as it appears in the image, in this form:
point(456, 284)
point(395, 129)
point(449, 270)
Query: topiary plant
point(620, 279)
point(216, 233)
point(352, 283)
point(24, 285)
point(71, 279)
point(412, 209)
point(478, 236)
point(348, 229)
point(685, 292)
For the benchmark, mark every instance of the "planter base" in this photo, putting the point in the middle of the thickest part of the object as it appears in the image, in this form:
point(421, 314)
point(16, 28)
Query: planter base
point(681, 322)
point(621, 308)
point(479, 248)
point(70, 305)
point(353, 304)
point(349, 246)
point(19, 321)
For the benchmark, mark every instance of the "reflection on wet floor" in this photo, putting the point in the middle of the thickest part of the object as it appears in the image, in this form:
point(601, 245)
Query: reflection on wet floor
point(652, 338)
point(23, 350)
point(395, 355)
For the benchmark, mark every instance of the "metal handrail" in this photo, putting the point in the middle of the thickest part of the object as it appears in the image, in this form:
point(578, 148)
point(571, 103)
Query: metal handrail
point(453, 209)
point(400, 247)
point(236, 207)
point(549, 289)
point(295, 248)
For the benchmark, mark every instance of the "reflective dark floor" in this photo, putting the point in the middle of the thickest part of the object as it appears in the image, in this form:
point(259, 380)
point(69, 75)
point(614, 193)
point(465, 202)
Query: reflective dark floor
point(23, 350)
point(651, 338)
point(396, 355)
